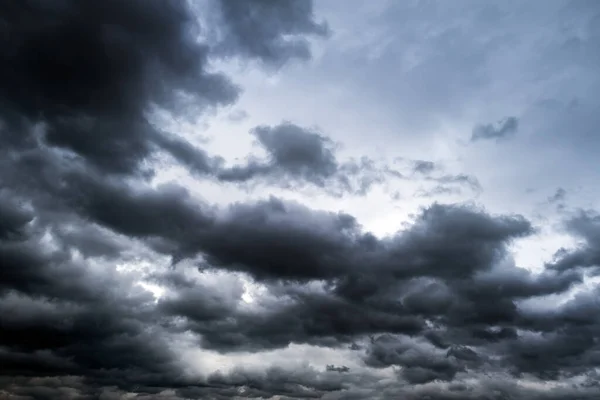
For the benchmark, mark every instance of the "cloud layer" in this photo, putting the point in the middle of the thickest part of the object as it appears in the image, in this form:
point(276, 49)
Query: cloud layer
point(113, 285)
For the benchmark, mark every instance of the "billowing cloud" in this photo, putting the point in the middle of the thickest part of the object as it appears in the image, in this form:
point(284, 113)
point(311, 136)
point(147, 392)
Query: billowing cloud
point(298, 156)
point(114, 283)
point(89, 74)
point(273, 33)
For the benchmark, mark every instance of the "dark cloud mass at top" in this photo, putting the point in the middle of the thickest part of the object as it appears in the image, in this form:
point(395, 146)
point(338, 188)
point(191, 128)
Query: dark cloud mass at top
point(90, 71)
point(437, 310)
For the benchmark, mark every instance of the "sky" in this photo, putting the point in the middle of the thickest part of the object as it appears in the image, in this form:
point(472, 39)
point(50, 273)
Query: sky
point(297, 199)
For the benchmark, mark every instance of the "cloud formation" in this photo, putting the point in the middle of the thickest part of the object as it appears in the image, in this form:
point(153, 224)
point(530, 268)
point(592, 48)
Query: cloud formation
point(273, 33)
point(297, 157)
point(502, 129)
point(113, 285)
point(89, 74)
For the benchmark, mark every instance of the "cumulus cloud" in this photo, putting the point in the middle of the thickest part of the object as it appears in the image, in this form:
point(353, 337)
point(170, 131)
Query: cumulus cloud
point(298, 156)
point(90, 73)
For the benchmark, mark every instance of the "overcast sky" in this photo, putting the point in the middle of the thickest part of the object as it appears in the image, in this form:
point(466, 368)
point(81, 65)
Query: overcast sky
point(232, 199)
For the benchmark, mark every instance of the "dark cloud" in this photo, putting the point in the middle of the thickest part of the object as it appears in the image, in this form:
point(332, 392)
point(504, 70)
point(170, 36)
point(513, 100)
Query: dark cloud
point(504, 128)
point(312, 318)
point(309, 318)
point(494, 388)
point(563, 343)
point(198, 161)
point(63, 317)
point(343, 368)
point(441, 301)
point(90, 73)
point(292, 150)
point(270, 240)
point(13, 218)
point(297, 150)
point(419, 363)
point(91, 241)
point(443, 269)
point(457, 249)
point(272, 32)
point(586, 226)
point(424, 167)
point(78, 81)
point(84, 77)
point(297, 156)
point(298, 383)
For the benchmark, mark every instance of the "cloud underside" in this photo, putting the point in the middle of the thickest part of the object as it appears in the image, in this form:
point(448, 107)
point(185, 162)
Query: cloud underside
point(440, 303)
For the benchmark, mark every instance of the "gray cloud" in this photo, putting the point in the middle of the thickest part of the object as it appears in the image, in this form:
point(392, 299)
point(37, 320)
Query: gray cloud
point(586, 226)
point(297, 156)
point(454, 250)
point(271, 32)
point(237, 116)
point(504, 128)
point(441, 301)
point(342, 368)
point(90, 73)
point(424, 167)
point(558, 199)
point(75, 321)
point(558, 196)
point(292, 150)
point(297, 150)
point(419, 363)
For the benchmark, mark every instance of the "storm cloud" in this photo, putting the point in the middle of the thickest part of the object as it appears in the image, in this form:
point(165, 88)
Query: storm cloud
point(299, 156)
point(118, 279)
